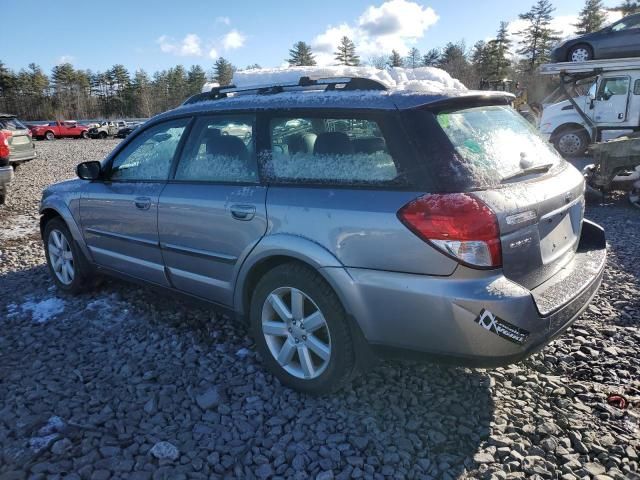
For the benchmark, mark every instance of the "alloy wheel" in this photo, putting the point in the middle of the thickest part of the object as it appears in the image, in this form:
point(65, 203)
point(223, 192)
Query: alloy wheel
point(61, 257)
point(296, 333)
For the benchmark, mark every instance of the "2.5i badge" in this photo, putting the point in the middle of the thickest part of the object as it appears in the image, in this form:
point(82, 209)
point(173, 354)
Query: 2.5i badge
point(502, 328)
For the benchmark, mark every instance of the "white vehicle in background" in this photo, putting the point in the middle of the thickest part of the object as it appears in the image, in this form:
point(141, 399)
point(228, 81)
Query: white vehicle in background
point(610, 109)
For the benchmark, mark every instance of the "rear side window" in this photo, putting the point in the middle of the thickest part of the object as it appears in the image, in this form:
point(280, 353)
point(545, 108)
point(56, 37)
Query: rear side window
point(492, 143)
point(11, 124)
point(329, 150)
point(220, 149)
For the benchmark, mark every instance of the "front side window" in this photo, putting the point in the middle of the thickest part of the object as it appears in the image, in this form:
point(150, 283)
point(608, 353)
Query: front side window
point(613, 86)
point(149, 155)
point(220, 149)
point(332, 150)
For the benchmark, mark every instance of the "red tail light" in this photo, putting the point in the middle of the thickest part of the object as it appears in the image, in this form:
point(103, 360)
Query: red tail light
point(458, 224)
point(4, 144)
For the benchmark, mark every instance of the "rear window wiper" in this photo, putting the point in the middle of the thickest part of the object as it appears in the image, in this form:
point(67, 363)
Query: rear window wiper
point(528, 171)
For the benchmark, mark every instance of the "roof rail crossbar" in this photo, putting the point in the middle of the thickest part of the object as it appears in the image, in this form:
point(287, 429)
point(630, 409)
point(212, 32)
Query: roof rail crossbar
point(330, 84)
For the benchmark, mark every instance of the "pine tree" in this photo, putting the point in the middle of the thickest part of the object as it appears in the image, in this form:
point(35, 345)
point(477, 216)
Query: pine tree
point(196, 78)
point(592, 17)
point(395, 60)
point(454, 61)
point(413, 58)
point(301, 55)
point(431, 58)
point(481, 61)
point(253, 66)
point(346, 53)
point(628, 7)
point(538, 36)
point(498, 49)
point(223, 71)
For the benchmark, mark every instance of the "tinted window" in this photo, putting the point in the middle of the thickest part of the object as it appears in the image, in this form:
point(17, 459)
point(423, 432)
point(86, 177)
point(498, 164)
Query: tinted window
point(334, 150)
point(626, 24)
point(12, 124)
point(490, 143)
point(636, 87)
point(149, 155)
point(220, 149)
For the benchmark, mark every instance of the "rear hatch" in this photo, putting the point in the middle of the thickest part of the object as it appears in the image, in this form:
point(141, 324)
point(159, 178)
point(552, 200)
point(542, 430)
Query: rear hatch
point(21, 144)
point(537, 197)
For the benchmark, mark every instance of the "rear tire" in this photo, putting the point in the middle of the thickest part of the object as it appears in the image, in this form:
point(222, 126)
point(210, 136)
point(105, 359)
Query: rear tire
point(68, 268)
point(49, 136)
point(85, 135)
point(312, 339)
point(571, 142)
point(580, 53)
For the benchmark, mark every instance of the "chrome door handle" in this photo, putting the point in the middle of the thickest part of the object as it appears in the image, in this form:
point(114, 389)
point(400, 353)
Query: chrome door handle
point(243, 212)
point(143, 203)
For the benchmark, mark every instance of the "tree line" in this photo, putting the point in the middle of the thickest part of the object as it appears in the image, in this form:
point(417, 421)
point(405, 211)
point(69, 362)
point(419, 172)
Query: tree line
point(73, 93)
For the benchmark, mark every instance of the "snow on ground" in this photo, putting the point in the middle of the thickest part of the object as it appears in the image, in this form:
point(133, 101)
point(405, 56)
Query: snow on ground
point(423, 79)
point(19, 226)
point(44, 310)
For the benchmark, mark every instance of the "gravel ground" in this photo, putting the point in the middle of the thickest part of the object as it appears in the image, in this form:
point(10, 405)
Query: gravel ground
point(125, 382)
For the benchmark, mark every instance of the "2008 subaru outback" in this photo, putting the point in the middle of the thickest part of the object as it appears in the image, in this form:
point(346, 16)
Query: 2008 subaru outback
point(339, 217)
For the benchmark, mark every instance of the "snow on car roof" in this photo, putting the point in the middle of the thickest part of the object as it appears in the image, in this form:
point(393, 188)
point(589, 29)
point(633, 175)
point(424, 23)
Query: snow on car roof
point(406, 88)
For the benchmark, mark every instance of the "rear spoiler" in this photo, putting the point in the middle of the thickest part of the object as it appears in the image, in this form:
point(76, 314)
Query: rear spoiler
point(468, 100)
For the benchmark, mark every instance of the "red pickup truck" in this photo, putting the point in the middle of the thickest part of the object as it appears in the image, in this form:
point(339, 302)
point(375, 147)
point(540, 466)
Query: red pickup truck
point(68, 128)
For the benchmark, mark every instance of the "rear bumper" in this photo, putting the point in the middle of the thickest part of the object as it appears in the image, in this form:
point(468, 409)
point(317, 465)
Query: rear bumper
point(24, 156)
point(482, 320)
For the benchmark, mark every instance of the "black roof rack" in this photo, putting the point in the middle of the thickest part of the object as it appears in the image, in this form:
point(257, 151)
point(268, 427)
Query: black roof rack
point(329, 84)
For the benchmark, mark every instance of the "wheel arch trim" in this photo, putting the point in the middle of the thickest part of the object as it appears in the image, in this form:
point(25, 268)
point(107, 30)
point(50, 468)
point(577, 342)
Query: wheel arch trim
point(280, 248)
point(57, 208)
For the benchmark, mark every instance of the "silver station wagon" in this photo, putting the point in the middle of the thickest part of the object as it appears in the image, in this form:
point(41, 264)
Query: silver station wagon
point(341, 220)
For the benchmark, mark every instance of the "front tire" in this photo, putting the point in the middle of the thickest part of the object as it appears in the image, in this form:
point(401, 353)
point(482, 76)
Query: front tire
point(571, 142)
point(103, 135)
point(85, 135)
point(67, 266)
point(580, 53)
point(301, 330)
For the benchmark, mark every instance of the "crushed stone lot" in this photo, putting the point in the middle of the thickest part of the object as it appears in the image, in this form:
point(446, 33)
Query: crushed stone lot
point(127, 382)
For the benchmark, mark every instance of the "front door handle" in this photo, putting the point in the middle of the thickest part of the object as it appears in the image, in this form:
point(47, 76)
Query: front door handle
point(243, 212)
point(143, 203)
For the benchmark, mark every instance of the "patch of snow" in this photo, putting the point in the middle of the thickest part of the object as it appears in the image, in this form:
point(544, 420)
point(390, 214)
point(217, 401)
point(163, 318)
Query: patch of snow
point(18, 227)
point(209, 85)
point(47, 434)
point(44, 310)
point(424, 79)
point(40, 443)
point(53, 425)
point(12, 310)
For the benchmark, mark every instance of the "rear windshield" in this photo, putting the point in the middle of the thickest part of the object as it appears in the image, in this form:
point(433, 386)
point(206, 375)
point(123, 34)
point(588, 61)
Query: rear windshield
point(12, 124)
point(492, 143)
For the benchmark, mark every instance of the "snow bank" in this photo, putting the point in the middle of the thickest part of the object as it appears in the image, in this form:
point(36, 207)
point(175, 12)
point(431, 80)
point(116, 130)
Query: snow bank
point(423, 79)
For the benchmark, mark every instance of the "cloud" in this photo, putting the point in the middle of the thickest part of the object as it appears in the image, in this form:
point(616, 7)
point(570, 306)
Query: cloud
point(190, 46)
point(396, 24)
point(233, 39)
point(213, 53)
point(224, 20)
point(65, 59)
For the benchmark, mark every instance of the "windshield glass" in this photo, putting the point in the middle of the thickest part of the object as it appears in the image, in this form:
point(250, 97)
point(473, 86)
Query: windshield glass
point(493, 143)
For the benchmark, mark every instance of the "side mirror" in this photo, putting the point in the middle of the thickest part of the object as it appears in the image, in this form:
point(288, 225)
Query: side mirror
point(89, 170)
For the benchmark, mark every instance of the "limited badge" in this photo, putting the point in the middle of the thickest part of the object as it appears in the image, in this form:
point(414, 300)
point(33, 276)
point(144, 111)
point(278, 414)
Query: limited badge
point(502, 328)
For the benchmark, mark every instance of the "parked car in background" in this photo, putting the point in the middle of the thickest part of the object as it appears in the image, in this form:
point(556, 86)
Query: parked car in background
point(126, 131)
point(17, 137)
point(66, 129)
point(618, 40)
point(276, 205)
point(6, 170)
point(107, 129)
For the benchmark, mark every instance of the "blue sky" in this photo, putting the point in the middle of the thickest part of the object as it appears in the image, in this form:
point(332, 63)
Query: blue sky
point(159, 34)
